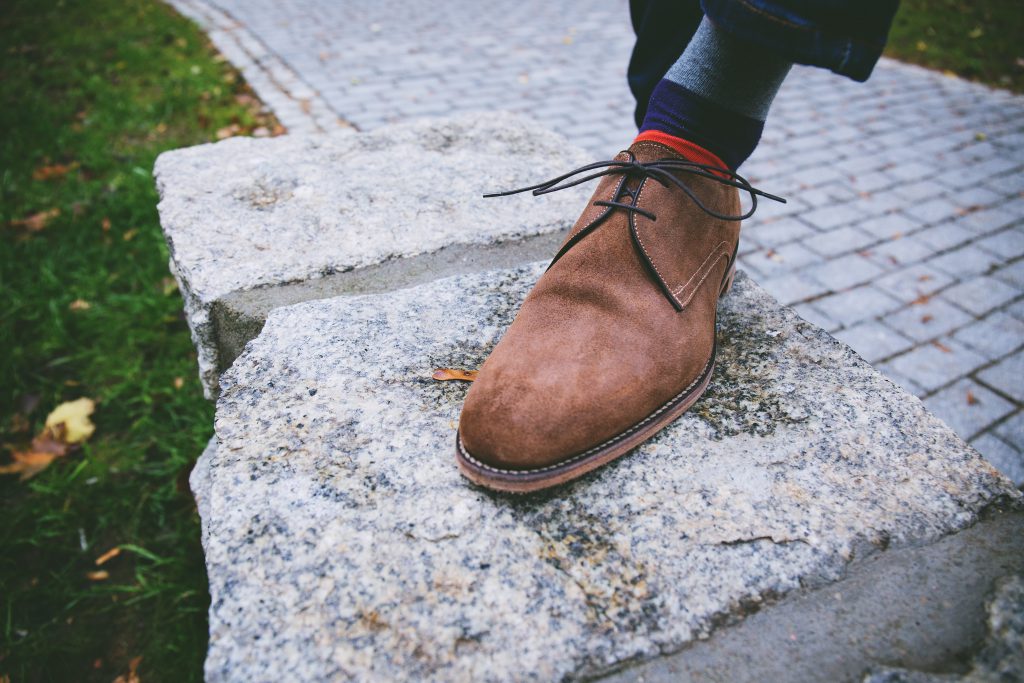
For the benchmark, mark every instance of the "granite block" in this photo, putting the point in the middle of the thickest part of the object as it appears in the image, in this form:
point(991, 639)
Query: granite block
point(342, 544)
point(249, 215)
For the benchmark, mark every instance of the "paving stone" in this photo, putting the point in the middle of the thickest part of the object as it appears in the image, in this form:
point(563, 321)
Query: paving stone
point(342, 542)
point(945, 236)
point(913, 282)
point(988, 220)
point(932, 211)
point(978, 196)
point(934, 365)
point(1007, 376)
point(918, 192)
point(845, 272)
point(995, 336)
point(246, 214)
point(981, 294)
point(1012, 274)
point(889, 225)
point(1003, 456)
point(968, 407)
point(792, 288)
point(965, 261)
point(829, 217)
point(873, 340)
point(1008, 244)
point(776, 233)
point(1012, 431)
point(839, 241)
point(855, 305)
point(910, 171)
point(900, 251)
point(783, 259)
point(928, 320)
point(868, 182)
point(880, 203)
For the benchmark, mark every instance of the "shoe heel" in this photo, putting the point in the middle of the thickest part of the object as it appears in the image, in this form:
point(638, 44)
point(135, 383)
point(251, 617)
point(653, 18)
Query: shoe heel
point(728, 281)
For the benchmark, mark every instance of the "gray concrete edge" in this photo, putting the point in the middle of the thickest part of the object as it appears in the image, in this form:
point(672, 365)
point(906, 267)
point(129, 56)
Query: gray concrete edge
point(919, 607)
point(239, 317)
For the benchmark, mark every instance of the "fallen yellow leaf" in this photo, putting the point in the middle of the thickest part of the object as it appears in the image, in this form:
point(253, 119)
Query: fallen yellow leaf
point(448, 374)
point(74, 415)
point(79, 305)
point(99, 575)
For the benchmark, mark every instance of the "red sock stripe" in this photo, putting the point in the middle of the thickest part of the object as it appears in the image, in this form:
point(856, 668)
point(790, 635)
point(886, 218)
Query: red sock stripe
point(689, 150)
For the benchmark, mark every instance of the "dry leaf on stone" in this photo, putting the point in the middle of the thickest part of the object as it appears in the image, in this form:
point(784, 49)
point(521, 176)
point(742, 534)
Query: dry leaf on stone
point(942, 347)
point(448, 374)
point(971, 398)
point(53, 171)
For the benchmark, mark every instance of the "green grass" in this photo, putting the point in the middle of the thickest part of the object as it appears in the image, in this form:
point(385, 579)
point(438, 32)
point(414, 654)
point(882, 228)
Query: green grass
point(981, 40)
point(106, 85)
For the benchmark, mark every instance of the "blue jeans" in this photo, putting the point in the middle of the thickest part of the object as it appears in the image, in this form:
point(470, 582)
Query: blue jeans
point(845, 36)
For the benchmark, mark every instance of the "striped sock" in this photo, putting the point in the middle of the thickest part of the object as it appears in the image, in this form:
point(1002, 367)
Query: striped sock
point(716, 96)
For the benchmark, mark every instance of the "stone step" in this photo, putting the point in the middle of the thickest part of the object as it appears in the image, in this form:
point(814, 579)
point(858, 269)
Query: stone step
point(341, 542)
point(257, 223)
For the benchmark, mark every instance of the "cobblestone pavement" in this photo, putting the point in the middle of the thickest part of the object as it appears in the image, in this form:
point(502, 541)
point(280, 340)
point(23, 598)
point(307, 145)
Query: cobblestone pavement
point(904, 231)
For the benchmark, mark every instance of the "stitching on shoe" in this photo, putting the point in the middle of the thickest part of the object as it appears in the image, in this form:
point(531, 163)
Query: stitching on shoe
point(699, 269)
point(722, 255)
point(640, 241)
point(665, 406)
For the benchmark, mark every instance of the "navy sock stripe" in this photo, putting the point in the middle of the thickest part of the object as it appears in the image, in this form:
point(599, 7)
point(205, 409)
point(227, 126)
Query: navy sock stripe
point(677, 111)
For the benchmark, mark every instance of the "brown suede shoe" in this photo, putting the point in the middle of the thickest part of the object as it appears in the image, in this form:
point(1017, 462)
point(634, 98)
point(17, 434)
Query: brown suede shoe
point(617, 339)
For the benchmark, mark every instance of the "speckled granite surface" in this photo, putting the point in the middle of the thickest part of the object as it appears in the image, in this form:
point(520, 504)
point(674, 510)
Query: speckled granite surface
point(246, 213)
point(342, 544)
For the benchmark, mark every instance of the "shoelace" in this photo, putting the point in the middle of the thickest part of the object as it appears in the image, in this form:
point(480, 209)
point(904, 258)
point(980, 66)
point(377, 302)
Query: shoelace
point(662, 171)
point(659, 170)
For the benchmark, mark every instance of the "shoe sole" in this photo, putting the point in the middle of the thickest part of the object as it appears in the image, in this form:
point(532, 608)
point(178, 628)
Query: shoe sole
point(526, 481)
